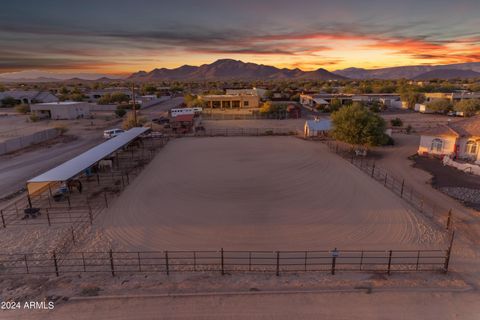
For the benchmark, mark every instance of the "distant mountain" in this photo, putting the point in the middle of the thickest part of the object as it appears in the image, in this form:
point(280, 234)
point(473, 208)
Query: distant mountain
point(228, 69)
point(406, 72)
point(448, 74)
point(47, 76)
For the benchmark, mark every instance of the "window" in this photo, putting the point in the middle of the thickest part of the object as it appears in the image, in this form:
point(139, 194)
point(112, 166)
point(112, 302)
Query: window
point(245, 103)
point(471, 147)
point(437, 145)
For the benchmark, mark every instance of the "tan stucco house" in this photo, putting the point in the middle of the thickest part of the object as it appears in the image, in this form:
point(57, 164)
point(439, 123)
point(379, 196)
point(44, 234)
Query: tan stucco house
point(459, 140)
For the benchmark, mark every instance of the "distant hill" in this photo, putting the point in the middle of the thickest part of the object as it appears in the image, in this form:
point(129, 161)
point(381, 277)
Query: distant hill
point(228, 69)
point(407, 72)
point(448, 74)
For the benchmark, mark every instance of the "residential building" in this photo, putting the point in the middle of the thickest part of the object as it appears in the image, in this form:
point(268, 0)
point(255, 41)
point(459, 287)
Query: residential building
point(67, 110)
point(29, 96)
point(452, 96)
point(231, 100)
point(324, 99)
point(254, 91)
point(459, 140)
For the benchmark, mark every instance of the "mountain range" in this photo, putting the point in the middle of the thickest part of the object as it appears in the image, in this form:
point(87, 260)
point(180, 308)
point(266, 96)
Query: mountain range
point(228, 69)
point(422, 72)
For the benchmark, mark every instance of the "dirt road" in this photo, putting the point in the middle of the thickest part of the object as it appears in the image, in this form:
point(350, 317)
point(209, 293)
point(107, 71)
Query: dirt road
point(322, 305)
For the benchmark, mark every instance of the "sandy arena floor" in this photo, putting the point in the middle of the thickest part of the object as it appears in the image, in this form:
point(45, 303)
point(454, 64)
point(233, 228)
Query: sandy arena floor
point(269, 193)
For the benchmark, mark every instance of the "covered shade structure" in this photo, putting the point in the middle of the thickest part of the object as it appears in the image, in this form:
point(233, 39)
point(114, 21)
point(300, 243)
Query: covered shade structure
point(82, 162)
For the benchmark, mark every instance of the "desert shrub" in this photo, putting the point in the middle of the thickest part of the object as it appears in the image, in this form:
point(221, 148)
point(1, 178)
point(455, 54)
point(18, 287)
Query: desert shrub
point(34, 118)
point(62, 128)
point(129, 121)
point(120, 112)
point(90, 291)
point(397, 122)
point(22, 108)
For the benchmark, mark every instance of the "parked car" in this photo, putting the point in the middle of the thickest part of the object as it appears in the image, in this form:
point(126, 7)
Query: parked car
point(108, 134)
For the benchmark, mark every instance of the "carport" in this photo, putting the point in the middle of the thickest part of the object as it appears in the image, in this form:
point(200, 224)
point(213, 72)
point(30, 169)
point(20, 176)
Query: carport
point(55, 177)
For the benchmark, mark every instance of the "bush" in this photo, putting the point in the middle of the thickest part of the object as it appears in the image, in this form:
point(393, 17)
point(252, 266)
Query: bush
point(62, 128)
point(34, 118)
point(22, 108)
point(397, 122)
point(408, 129)
point(129, 121)
point(120, 112)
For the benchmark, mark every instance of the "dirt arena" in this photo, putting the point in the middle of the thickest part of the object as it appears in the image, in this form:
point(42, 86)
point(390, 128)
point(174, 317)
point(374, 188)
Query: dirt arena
point(250, 193)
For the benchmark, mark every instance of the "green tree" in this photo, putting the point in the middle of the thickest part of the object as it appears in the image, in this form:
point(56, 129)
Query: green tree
point(412, 97)
point(335, 104)
point(440, 105)
point(355, 124)
point(9, 102)
point(468, 106)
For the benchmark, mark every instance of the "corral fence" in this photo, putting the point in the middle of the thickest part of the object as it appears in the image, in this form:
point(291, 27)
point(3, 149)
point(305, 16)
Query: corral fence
point(231, 132)
point(84, 207)
point(248, 116)
point(394, 183)
point(224, 262)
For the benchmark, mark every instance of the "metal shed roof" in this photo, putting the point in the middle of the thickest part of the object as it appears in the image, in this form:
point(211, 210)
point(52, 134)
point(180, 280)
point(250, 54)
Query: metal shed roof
point(319, 125)
point(85, 160)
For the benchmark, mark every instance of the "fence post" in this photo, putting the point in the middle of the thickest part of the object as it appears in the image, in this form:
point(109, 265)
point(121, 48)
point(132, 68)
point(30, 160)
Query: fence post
point(3, 219)
point(111, 263)
point(385, 182)
point(334, 260)
point(55, 263)
point(139, 263)
point(418, 259)
point(361, 261)
point(26, 263)
point(373, 170)
point(278, 263)
point(48, 217)
point(221, 256)
point(105, 196)
point(305, 262)
point(250, 261)
point(389, 261)
point(83, 260)
point(194, 261)
point(401, 191)
point(449, 251)
point(167, 267)
point(73, 235)
point(449, 219)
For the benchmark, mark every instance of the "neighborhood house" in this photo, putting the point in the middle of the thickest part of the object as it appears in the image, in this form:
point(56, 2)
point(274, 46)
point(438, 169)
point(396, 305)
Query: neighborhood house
point(459, 140)
point(67, 110)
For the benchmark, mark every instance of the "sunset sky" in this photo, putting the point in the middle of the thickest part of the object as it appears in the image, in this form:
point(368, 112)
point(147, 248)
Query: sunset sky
point(119, 37)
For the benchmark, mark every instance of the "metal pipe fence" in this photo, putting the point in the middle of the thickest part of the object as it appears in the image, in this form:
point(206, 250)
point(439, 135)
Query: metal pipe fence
point(224, 262)
point(396, 184)
point(230, 132)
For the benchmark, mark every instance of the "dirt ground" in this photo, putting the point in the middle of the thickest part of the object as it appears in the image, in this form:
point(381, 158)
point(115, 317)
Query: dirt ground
point(294, 124)
point(248, 193)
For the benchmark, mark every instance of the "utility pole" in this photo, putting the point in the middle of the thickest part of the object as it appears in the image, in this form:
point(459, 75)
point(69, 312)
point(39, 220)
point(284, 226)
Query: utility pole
point(134, 105)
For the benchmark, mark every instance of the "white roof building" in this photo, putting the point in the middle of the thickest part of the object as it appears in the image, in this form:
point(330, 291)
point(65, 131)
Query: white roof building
point(66, 110)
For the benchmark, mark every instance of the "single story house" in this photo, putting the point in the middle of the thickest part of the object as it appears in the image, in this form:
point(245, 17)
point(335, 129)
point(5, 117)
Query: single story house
point(231, 100)
point(67, 110)
point(254, 92)
point(317, 127)
point(29, 96)
point(459, 140)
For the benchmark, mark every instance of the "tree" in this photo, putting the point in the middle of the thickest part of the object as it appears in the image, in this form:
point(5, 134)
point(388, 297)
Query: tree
point(412, 97)
point(357, 125)
point(129, 121)
point(440, 105)
point(468, 106)
point(335, 104)
point(9, 102)
point(120, 112)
